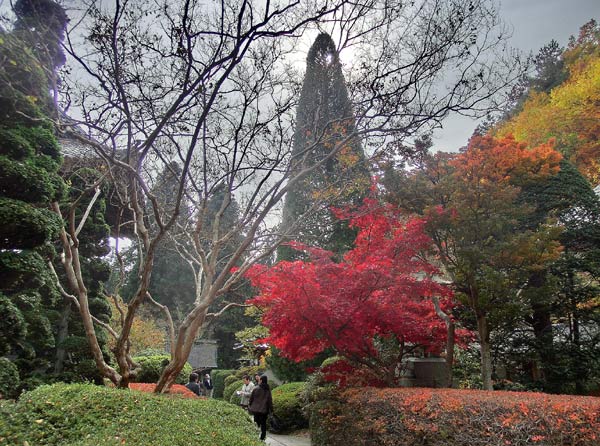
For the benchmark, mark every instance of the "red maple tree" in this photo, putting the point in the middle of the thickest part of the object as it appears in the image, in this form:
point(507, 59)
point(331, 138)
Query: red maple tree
point(380, 291)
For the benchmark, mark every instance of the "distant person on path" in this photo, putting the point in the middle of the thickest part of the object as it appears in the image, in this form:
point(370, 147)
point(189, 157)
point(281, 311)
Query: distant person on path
point(245, 392)
point(256, 380)
point(193, 384)
point(208, 386)
point(261, 404)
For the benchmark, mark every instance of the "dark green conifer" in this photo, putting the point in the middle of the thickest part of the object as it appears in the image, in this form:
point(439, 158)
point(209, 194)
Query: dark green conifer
point(324, 120)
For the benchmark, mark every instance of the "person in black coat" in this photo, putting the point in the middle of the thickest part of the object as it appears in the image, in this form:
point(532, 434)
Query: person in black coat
point(207, 385)
point(193, 384)
point(260, 405)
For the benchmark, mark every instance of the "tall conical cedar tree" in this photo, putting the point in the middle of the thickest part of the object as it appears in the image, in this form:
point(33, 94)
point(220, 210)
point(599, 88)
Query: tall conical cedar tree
point(29, 181)
point(324, 119)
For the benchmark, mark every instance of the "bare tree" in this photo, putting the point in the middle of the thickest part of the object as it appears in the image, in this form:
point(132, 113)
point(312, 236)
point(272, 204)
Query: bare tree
point(212, 89)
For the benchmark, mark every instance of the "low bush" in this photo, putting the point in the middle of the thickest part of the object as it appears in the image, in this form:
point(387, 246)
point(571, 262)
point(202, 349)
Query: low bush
point(450, 417)
point(287, 406)
point(175, 389)
point(231, 388)
point(235, 399)
point(218, 377)
point(87, 415)
point(152, 367)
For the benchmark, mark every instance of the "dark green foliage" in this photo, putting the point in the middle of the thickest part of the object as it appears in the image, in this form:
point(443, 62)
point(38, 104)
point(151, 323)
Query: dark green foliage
point(85, 415)
point(287, 405)
point(288, 370)
point(567, 352)
point(231, 388)
point(23, 84)
point(218, 379)
point(22, 180)
point(152, 367)
point(324, 119)
point(25, 226)
point(42, 23)
point(14, 144)
point(9, 379)
point(12, 325)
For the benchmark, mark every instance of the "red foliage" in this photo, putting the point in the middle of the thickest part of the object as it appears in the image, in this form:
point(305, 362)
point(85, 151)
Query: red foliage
point(451, 417)
point(380, 289)
point(176, 389)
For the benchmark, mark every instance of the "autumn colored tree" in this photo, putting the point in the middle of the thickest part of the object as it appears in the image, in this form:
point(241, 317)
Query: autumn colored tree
point(568, 113)
point(381, 291)
point(476, 221)
point(145, 333)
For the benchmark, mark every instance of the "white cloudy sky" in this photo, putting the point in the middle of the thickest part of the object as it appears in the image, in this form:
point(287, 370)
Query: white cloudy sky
point(534, 23)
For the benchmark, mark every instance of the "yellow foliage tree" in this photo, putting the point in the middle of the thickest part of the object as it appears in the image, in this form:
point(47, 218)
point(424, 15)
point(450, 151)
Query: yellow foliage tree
point(569, 114)
point(145, 332)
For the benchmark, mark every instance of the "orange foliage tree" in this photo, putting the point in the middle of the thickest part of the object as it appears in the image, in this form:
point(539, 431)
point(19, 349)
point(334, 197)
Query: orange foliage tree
point(479, 225)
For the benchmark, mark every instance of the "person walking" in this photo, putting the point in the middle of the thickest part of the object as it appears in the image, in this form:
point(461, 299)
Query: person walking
point(245, 392)
point(260, 405)
point(193, 383)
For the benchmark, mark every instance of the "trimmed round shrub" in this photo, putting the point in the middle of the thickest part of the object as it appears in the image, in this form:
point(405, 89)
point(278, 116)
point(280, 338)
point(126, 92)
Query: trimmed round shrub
point(218, 377)
point(231, 379)
point(9, 379)
point(287, 405)
point(87, 415)
point(231, 388)
point(152, 367)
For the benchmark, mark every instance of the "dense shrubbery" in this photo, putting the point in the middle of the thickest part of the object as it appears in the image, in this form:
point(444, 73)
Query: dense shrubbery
point(230, 379)
point(449, 417)
point(287, 406)
point(152, 367)
point(9, 379)
point(86, 415)
point(231, 388)
point(218, 378)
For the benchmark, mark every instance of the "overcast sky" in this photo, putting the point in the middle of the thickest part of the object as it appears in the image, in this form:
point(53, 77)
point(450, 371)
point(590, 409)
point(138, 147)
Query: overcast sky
point(534, 23)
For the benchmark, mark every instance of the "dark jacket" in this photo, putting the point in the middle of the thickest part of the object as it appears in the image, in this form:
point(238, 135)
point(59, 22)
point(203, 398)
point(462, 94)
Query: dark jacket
point(207, 383)
point(261, 400)
point(194, 387)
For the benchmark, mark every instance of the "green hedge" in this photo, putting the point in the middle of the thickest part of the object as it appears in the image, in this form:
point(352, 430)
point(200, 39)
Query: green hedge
point(287, 406)
point(9, 379)
point(231, 388)
point(230, 379)
point(87, 415)
point(451, 417)
point(218, 376)
point(152, 367)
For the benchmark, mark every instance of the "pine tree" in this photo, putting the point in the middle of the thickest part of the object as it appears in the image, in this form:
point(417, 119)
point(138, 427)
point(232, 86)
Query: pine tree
point(324, 119)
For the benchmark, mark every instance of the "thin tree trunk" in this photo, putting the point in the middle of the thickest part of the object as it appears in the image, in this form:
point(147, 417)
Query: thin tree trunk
point(450, 340)
point(485, 350)
point(63, 332)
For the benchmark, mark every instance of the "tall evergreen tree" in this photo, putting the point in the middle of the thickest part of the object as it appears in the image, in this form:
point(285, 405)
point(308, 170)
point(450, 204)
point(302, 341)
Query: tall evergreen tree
point(324, 119)
point(29, 182)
